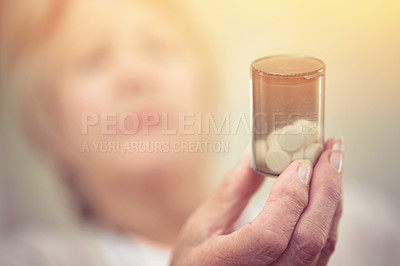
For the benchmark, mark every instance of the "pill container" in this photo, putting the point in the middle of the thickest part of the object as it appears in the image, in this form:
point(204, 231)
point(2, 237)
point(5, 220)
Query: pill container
point(287, 111)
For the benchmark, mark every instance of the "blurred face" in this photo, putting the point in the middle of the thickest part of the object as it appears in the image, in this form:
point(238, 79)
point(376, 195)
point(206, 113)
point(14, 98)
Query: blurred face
point(119, 57)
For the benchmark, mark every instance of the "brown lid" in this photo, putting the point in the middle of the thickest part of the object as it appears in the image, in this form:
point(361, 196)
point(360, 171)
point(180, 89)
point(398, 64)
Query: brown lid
point(289, 66)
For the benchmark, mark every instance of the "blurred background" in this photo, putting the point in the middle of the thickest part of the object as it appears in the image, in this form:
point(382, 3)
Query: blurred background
point(359, 42)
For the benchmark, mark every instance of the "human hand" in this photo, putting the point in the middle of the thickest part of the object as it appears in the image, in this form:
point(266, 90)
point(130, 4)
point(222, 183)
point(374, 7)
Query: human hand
point(297, 226)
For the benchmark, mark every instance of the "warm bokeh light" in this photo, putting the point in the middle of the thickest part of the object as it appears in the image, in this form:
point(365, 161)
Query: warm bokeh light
point(359, 43)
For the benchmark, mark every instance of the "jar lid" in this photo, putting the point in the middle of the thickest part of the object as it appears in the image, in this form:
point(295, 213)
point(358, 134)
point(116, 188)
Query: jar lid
point(289, 66)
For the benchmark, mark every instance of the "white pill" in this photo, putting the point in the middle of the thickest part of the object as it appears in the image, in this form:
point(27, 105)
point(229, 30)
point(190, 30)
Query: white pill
point(273, 139)
point(298, 155)
point(309, 130)
point(312, 133)
point(291, 138)
point(312, 152)
point(301, 123)
point(277, 160)
point(260, 151)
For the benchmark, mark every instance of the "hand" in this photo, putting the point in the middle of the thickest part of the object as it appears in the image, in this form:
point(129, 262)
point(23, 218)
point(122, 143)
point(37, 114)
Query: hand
point(297, 226)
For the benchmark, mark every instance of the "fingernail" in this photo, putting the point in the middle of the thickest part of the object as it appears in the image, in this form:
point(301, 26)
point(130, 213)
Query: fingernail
point(336, 160)
point(304, 171)
point(338, 144)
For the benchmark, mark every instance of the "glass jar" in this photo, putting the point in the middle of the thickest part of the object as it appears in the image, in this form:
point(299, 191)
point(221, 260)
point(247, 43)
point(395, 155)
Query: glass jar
point(287, 111)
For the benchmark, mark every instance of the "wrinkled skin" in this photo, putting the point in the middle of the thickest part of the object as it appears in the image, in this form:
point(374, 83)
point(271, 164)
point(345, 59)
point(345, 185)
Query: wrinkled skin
point(297, 226)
